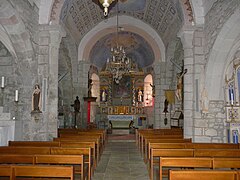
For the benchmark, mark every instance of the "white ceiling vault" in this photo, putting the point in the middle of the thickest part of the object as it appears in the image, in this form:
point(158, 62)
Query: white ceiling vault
point(165, 17)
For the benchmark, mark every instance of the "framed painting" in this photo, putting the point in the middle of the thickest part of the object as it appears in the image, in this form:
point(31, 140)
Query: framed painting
point(123, 88)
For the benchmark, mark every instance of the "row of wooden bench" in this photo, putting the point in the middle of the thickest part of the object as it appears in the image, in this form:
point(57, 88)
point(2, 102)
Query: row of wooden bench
point(155, 146)
point(88, 146)
point(12, 172)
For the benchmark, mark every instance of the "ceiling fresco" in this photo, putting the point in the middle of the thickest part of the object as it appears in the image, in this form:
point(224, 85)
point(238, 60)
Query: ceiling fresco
point(164, 16)
point(135, 46)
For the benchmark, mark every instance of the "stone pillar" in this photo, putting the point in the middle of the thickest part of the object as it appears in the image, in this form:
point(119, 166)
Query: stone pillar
point(83, 83)
point(186, 36)
point(56, 33)
point(160, 85)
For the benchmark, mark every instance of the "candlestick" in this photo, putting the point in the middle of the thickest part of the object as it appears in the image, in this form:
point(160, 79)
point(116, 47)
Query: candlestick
point(16, 95)
point(231, 98)
point(2, 84)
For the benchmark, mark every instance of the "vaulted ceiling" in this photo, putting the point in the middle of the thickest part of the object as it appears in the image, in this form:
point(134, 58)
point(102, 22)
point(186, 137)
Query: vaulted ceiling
point(164, 16)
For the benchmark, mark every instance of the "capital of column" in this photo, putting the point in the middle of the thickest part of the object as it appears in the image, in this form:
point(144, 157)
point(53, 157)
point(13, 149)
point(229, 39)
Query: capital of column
point(56, 32)
point(186, 36)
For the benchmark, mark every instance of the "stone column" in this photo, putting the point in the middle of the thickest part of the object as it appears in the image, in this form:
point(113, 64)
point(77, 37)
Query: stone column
point(186, 36)
point(55, 33)
point(160, 85)
point(83, 82)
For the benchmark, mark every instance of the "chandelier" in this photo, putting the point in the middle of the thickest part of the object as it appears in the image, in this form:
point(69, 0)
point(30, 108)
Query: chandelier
point(105, 4)
point(118, 64)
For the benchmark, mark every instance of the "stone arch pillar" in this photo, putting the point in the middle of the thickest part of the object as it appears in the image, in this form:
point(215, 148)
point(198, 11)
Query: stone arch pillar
point(55, 34)
point(186, 36)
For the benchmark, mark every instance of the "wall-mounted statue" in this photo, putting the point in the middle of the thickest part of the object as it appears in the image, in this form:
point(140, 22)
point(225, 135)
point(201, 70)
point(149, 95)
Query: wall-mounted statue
point(90, 87)
point(36, 99)
point(179, 91)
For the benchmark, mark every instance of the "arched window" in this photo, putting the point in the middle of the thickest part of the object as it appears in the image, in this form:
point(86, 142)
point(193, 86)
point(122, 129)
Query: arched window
point(148, 90)
point(95, 86)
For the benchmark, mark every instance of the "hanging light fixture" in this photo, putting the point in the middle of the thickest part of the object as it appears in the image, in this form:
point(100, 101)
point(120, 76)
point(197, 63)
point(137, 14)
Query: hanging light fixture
point(106, 4)
point(118, 64)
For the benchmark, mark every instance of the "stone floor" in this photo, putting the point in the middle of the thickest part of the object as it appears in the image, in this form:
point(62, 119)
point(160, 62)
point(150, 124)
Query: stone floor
point(121, 160)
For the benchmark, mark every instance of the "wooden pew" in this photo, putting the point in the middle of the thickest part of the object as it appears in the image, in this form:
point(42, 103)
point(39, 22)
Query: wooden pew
point(95, 155)
point(193, 162)
point(158, 153)
point(217, 153)
point(202, 174)
point(76, 151)
point(167, 153)
point(6, 171)
point(140, 134)
point(45, 159)
point(185, 162)
point(24, 150)
point(226, 163)
point(146, 137)
point(102, 132)
point(34, 143)
point(190, 146)
point(59, 144)
point(151, 145)
point(46, 171)
point(82, 139)
point(63, 160)
point(53, 150)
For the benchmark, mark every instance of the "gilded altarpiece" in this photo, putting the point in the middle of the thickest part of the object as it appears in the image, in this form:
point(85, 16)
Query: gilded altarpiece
point(122, 98)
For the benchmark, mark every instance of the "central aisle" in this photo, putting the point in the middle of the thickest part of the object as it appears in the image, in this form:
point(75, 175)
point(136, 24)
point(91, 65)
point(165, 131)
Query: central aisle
point(121, 160)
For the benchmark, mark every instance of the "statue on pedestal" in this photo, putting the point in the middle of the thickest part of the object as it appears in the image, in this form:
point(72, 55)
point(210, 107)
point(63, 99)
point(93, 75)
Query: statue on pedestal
point(90, 88)
point(36, 99)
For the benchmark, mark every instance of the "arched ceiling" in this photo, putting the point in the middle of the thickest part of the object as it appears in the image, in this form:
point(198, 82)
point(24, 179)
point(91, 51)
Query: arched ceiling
point(136, 48)
point(164, 16)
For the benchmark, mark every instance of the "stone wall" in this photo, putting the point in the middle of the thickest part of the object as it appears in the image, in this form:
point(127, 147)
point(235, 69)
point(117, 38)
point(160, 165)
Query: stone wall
point(211, 127)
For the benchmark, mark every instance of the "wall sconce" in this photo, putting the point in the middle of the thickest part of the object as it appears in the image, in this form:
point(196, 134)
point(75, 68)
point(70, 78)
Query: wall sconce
point(16, 96)
point(2, 83)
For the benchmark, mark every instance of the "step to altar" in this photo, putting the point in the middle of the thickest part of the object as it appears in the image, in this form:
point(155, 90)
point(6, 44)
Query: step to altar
point(121, 137)
point(120, 131)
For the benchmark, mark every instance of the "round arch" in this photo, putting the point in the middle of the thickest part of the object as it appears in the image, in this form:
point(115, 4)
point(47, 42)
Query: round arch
point(137, 26)
point(226, 44)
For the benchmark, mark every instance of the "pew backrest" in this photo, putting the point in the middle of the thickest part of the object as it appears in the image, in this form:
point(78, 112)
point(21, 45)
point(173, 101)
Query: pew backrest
point(34, 143)
point(202, 174)
point(45, 171)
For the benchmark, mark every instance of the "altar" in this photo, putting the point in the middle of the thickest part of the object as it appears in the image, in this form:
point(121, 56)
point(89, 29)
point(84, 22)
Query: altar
point(120, 121)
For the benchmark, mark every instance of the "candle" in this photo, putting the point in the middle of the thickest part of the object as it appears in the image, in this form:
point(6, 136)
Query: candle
point(232, 98)
point(16, 95)
point(62, 102)
point(2, 85)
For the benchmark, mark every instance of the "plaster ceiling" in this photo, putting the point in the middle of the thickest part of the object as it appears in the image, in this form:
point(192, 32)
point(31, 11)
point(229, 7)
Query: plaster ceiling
point(164, 16)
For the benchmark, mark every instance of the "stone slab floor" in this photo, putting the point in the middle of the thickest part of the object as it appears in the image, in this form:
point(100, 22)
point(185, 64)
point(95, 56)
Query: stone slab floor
point(121, 161)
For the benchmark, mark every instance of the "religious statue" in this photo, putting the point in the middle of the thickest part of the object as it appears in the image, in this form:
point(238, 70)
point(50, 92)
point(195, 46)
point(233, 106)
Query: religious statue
point(36, 99)
point(153, 90)
point(140, 96)
point(180, 84)
point(90, 88)
point(104, 98)
point(165, 110)
point(77, 105)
